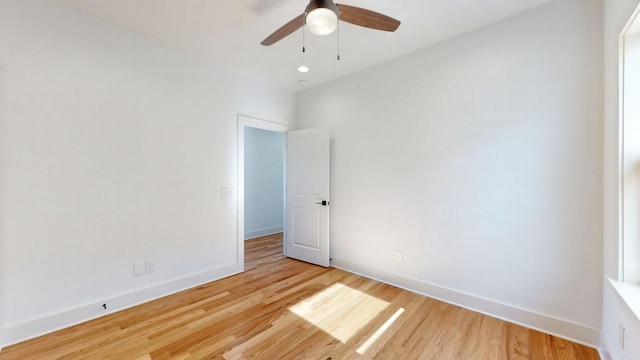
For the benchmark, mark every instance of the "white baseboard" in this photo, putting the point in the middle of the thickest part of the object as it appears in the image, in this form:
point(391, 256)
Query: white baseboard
point(31, 329)
point(264, 232)
point(557, 327)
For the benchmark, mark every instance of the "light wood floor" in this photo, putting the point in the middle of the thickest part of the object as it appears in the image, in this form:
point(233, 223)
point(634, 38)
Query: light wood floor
point(286, 309)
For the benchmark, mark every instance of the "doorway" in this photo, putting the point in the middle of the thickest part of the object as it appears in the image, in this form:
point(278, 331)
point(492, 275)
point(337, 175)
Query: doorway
point(261, 187)
point(264, 172)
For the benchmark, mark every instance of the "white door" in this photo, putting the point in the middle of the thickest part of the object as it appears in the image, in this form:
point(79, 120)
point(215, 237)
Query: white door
point(307, 236)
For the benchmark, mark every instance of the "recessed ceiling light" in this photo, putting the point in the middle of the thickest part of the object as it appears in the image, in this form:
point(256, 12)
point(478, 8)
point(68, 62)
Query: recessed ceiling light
point(303, 69)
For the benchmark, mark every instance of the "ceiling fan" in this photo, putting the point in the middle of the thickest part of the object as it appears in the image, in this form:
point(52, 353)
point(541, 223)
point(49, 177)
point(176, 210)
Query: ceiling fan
point(321, 18)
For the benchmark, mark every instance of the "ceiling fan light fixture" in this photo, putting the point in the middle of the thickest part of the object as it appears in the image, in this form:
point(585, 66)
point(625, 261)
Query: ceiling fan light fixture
point(321, 16)
point(322, 21)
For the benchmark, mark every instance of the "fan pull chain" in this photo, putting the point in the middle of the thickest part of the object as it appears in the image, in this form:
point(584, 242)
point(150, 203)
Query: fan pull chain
point(303, 26)
point(338, 57)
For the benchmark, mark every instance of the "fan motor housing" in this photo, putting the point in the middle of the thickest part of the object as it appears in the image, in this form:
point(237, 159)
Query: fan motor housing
point(322, 4)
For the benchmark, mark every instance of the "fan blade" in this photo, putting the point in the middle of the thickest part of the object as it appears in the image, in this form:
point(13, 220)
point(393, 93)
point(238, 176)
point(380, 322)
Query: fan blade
point(284, 31)
point(367, 18)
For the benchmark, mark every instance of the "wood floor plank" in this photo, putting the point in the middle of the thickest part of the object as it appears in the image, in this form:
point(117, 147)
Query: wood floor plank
point(407, 337)
point(517, 341)
point(281, 308)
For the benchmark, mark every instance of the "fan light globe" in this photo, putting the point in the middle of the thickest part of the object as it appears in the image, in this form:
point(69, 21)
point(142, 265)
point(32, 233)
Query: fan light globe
point(322, 21)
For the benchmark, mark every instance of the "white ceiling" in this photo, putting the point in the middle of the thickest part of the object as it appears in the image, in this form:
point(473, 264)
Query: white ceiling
point(230, 31)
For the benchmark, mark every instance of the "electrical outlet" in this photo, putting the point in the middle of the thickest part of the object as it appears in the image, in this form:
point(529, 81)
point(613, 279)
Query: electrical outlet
point(226, 192)
point(397, 256)
point(621, 329)
point(149, 266)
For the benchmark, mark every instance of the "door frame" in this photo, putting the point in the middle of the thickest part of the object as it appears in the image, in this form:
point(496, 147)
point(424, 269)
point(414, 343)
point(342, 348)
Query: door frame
point(253, 122)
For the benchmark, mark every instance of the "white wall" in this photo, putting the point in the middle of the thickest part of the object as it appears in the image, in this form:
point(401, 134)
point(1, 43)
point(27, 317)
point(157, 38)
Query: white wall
point(615, 310)
point(263, 182)
point(481, 159)
point(112, 150)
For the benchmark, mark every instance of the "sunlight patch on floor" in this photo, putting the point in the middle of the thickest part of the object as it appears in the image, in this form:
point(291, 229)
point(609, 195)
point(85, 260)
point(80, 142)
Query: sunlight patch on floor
point(340, 310)
point(362, 349)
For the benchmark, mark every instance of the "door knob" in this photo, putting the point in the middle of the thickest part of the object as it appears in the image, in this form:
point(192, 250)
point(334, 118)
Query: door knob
point(323, 203)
